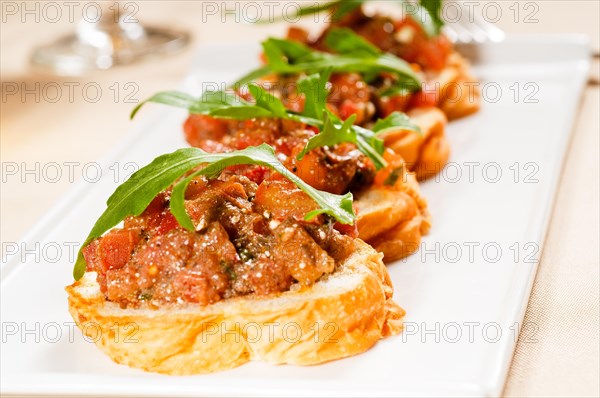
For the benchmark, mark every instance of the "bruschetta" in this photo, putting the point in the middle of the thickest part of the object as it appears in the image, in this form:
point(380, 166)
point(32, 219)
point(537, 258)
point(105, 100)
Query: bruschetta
point(435, 83)
point(218, 270)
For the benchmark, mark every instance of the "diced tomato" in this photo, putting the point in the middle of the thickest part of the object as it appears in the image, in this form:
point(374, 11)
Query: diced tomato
point(348, 86)
point(168, 222)
point(349, 108)
point(232, 189)
point(313, 170)
point(297, 34)
point(263, 58)
point(115, 248)
point(157, 205)
point(198, 128)
point(347, 229)
point(295, 102)
point(192, 287)
point(333, 109)
point(435, 52)
point(283, 199)
point(313, 129)
point(212, 146)
point(257, 174)
point(429, 96)
point(284, 146)
point(253, 132)
point(395, 103)
point(245, 94)
point(92, 260)
point(429, 52)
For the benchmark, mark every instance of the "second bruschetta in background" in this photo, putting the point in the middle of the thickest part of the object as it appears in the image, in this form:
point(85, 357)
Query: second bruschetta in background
point(330, 155)
point(366, 84)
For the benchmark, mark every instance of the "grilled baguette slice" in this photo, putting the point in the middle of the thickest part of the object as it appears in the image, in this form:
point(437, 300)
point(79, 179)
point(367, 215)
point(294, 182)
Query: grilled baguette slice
point(393, 219)
point(342, 315)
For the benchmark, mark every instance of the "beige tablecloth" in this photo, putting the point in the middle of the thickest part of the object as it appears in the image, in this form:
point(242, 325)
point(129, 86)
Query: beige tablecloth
point(564, 306)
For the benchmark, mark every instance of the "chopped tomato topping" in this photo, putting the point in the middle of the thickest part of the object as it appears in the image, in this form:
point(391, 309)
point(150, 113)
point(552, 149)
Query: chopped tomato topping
point(429, 52)
point(348, 108)
point(347, 229)
point(297, 34)
point(257, 174)
point(116, 247)
point(168, 222)
point(312, 169)
point(282, 199)
point(429, 96)
point(395, 103)
point(389, 175)
point(198, 128)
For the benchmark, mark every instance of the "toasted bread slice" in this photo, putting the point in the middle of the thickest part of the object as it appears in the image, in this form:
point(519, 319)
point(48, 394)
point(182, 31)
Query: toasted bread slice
point(393, 218)
point(426, 153)
point(342, 315)
point(460, 95)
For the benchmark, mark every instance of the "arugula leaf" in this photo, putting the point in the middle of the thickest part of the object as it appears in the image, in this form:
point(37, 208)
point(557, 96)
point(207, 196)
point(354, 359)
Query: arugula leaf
point(431, 8)
point(290, 57)
point(266, 100)
point(345, 41)
point(133, 197)
point(395, 121)
point(172, 98)
point(228, 106)
point(334, 132)
point(314, 88)
point(367, 142)
point(252, 76)
point(217, 103)
point(331, 135)
point(340, 9)
point(220, 104)
point(393, 91)
point(344, 8)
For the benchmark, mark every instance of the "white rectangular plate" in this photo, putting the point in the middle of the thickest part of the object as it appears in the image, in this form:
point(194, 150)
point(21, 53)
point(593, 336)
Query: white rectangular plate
point(465, 292)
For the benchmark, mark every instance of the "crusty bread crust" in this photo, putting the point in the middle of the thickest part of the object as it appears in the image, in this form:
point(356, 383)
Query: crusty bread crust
point(393, 219)
point(426, 153)
point(459, 95)
point(343, 315)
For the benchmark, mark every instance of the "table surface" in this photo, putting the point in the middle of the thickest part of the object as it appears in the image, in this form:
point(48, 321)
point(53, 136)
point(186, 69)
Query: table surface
point(38, 130)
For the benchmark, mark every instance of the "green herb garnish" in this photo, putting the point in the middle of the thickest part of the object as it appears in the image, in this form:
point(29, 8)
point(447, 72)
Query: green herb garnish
point(314, 88)
point(346, 41)
point(331, 135)
point(333, 130)
point(432, 8)
point(340, 9)
point(230, 106)
point(290, 57)
point(393, 177)
point(395, 121)
point(426, 12)
point(133, 197)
